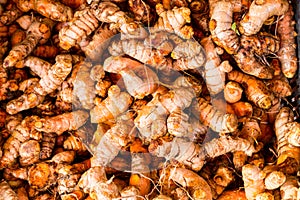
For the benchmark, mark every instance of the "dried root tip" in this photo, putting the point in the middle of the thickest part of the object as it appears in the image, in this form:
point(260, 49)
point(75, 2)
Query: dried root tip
point(224, 176)
point(259, 13)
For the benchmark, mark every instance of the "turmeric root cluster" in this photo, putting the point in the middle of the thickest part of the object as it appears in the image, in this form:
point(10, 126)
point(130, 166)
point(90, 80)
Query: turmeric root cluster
point(148, 99)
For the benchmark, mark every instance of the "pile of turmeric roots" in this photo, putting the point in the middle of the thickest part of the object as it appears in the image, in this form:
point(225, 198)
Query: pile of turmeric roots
point(148, 99)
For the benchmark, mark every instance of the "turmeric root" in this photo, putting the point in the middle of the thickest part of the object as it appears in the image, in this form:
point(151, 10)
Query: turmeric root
point(61, 123)
point(118, 136)
point(253, 178)
point(74, 143)
point(56, 75)
point(45, 51)
point(220, 24)
point(195, 156)
point(48, 8)
point(85, 21)
point(115, 104)
point(290, 189)
point(29, 152)
point(11, 147)
point(188, 55)
point(11, 14)
point(151, 119)
point(213, 73)
point(261, 44)
point(139, 80)
point(280, 86)
point(287, 51)
point(47, 145)
point(35, 32)
point(198, 187)
point(43, 175)
point(95, 48)
point(29, 99)
point(215, 119)
point(174, 21)
point(145, 54)
point(288, 155)
point(7, 192)
point(83, 86)
point(105, 12)
point(95, 183)
point(232, 92)
point(256, 91)
point(259, 12)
